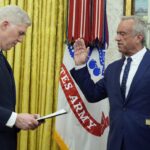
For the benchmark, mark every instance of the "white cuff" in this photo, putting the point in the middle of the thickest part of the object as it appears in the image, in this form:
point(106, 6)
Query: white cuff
point(80, 66)
point(11, 122)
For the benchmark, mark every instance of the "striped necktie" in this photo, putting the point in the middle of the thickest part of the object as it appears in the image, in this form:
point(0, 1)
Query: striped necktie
point(125, 77)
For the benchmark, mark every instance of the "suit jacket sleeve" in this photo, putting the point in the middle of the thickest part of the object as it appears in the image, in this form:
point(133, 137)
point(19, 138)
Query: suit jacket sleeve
point(7, 91)
point(93, 92)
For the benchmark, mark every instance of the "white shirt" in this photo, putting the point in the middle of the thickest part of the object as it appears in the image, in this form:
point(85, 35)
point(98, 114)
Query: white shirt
point(136, 60)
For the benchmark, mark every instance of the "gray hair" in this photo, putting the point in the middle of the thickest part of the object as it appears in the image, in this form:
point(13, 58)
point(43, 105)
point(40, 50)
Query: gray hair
point(139, 26)
point(14, 14)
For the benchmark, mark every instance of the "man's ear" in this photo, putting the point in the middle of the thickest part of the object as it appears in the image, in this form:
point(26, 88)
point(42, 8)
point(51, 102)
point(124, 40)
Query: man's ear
point(4, 25)
point(140, 37)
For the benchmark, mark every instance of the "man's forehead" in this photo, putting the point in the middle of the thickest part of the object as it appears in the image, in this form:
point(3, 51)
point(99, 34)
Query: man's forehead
point(126, 25)
point(128, 22)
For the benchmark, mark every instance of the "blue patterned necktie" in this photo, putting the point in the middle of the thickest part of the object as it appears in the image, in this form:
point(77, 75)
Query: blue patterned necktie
point(125, 76)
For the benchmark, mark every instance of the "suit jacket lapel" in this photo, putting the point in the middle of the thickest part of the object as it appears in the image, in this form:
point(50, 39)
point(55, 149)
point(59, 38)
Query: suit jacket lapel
point(117, 77)
point(8, 75)
point(140, 72)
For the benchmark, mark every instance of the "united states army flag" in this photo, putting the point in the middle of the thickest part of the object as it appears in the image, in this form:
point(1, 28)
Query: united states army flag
point(85, 126)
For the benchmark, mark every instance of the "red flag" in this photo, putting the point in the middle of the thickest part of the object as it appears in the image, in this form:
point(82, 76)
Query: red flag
point(86, 19)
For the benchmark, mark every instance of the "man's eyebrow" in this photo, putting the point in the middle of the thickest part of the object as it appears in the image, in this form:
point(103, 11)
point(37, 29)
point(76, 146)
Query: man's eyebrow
point(121, 32)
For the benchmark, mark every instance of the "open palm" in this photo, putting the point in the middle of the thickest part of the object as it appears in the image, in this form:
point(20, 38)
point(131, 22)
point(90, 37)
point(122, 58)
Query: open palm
point(80, 52)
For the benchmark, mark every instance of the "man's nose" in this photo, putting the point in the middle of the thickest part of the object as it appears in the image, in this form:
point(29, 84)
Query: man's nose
point(117, 38)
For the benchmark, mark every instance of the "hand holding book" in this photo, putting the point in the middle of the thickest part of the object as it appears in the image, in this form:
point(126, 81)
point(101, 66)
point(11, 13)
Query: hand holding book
point(57, 113)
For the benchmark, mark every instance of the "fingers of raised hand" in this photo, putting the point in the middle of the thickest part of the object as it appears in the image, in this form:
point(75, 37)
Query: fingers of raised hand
point(79, 45)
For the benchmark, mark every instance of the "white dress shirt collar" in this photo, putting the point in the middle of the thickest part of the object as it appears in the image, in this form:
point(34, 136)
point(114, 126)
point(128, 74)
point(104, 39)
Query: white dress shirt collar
point(137, 57)
point(136, 60)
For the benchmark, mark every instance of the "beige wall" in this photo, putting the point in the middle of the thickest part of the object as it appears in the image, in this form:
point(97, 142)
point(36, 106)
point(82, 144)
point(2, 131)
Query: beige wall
point(114, 13)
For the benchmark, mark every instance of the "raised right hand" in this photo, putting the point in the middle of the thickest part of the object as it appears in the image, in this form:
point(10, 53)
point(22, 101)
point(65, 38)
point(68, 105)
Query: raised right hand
point(80, 52)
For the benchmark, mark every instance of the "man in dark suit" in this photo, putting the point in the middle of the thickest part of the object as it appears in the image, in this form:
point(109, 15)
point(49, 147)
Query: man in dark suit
point(13, 25)
point(126, 83)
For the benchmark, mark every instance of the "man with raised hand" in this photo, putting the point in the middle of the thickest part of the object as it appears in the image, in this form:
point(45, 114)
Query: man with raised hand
point(126, 83)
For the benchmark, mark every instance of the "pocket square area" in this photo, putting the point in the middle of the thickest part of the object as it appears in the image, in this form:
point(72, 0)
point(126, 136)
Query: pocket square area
point(147, 122)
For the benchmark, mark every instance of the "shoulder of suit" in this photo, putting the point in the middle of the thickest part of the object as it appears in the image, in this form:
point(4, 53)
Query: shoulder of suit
point(116, 62)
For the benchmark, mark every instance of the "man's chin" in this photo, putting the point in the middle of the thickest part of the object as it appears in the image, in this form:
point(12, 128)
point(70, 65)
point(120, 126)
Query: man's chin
point(120, 50)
